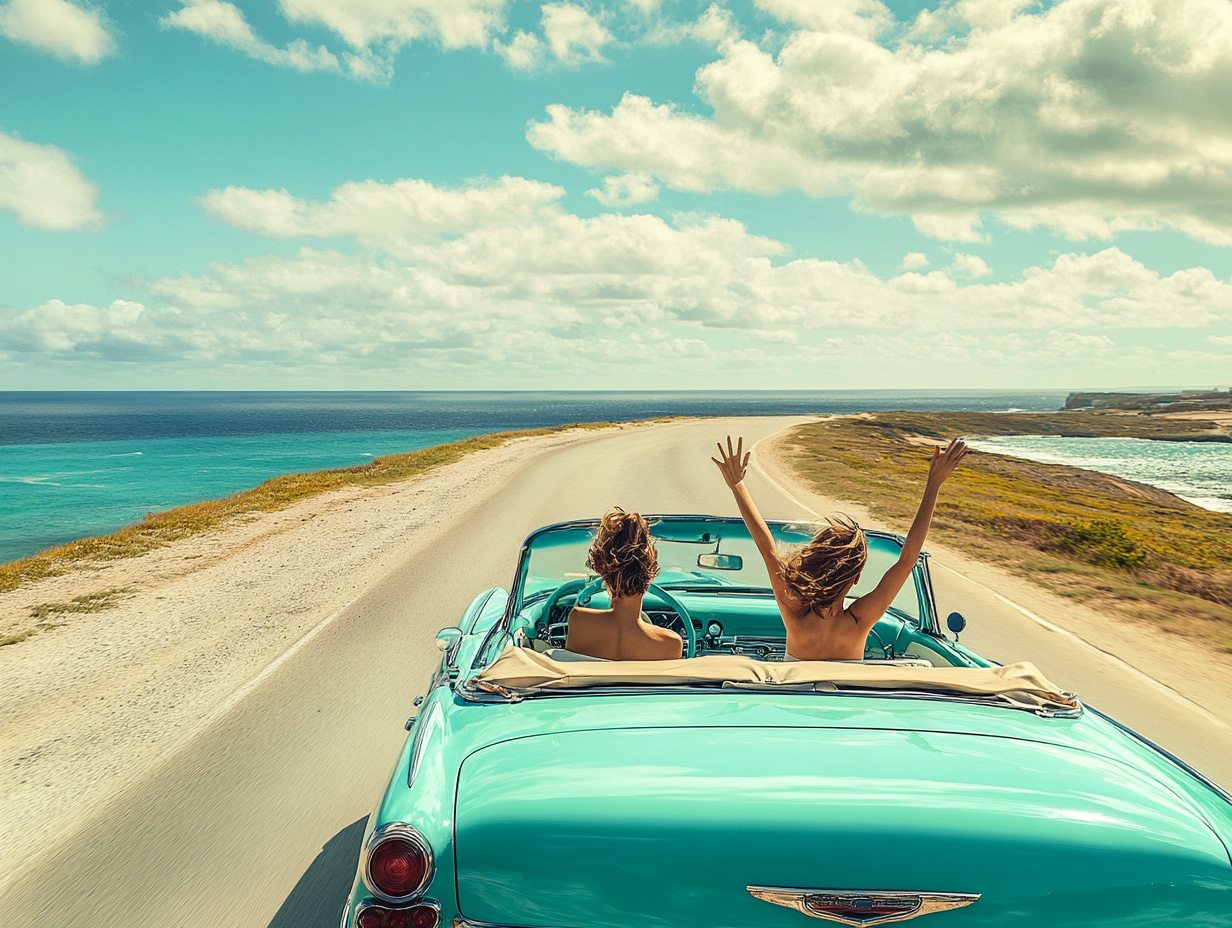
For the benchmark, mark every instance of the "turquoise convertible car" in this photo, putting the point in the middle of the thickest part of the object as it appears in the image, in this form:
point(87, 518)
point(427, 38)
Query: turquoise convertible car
point(730, 789)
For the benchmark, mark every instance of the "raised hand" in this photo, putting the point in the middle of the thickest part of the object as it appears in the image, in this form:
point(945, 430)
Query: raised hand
point(943, 463)
point(733, 463)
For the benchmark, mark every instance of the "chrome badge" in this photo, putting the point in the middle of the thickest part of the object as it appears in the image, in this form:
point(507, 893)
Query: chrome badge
point(857, 907)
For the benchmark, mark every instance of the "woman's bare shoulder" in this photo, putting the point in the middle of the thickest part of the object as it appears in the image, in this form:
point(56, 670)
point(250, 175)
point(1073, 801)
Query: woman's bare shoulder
point(586, 614)
point(671, 643)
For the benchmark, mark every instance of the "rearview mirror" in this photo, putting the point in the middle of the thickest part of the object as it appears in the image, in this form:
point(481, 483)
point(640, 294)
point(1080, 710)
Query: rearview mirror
point(720, 561)
point(681, 534)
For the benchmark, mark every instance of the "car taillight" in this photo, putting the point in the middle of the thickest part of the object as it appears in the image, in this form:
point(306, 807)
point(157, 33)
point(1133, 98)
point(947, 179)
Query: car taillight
point(426, 914)
point(399, 865)
point(397, 868)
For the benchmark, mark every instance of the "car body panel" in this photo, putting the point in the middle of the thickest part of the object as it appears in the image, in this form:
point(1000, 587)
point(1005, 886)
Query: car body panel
point(716, 809)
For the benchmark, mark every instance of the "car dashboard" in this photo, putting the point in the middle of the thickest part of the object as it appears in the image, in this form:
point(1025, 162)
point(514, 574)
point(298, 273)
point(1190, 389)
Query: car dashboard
point(745, 623)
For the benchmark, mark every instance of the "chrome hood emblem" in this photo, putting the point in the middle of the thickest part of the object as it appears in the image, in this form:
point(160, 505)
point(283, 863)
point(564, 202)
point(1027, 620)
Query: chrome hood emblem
point(857, 907)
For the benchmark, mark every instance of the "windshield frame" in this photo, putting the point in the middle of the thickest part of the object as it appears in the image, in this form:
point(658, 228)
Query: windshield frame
point(920, 576)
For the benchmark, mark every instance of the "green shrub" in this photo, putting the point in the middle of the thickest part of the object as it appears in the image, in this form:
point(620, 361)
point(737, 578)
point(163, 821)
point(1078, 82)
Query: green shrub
point(1107, 542)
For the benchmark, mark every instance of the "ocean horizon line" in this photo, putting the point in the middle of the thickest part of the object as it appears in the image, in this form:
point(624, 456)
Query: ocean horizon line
point(1137, 388)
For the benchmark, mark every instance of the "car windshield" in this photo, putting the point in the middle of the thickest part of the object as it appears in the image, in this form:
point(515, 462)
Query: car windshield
point(698, 556)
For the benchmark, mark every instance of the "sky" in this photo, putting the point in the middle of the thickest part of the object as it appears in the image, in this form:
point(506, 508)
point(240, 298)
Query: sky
point(615, 194)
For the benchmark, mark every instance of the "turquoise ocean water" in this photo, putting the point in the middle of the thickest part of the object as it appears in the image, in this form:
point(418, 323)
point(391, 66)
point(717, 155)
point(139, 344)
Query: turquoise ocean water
point(54, 493)
point(1200, 472)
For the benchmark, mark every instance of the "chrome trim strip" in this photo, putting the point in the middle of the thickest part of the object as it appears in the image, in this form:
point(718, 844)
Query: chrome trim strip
point(388, 832)
point(424, 725)
point(803, 900)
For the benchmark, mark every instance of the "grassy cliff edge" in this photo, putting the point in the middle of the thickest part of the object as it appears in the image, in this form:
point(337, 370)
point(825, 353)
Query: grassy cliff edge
point(1121, 546)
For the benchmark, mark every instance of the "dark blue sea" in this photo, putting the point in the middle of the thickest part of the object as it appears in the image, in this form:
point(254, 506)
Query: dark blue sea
point(79, 464)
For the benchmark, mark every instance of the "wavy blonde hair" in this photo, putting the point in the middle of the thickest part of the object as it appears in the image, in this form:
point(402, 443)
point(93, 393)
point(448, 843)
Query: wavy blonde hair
point(827, 567)
point(623, 554)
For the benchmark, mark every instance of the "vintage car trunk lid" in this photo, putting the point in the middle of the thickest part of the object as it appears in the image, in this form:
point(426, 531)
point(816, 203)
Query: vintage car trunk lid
point(670, 826)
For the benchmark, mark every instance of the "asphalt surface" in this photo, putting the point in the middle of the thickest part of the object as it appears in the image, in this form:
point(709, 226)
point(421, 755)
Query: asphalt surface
point(258, 821)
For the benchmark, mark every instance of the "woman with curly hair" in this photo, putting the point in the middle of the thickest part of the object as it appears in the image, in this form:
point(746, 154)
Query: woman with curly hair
point(812, 584)
point(624, 556)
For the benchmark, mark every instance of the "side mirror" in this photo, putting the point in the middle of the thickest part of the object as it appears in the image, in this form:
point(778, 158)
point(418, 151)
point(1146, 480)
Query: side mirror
point(446, 638)
point(955, 622)
point(720, 561)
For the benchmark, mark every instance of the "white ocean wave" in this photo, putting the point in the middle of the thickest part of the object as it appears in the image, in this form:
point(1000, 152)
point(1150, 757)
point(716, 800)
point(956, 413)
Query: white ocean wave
point(1198, 472)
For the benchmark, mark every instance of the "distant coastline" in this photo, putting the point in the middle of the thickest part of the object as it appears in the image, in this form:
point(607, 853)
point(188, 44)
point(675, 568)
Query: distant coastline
point(1207, 401)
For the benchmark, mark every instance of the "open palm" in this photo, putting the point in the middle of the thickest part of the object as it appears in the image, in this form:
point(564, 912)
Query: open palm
point(944, 463)
point(734, 462)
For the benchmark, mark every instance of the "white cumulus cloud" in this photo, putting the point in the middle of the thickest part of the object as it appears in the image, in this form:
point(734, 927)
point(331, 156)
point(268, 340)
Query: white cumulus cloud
point(391, 24)
point(225, 24)
point(626, 190)
point(70, 31)
point(1088, 117)
point(913, 261)
point(389, 216)
point(865, 18)
point(1076, 344)
point(571, 35)
point(970, 266)
point(43, 187)
point(372, 31)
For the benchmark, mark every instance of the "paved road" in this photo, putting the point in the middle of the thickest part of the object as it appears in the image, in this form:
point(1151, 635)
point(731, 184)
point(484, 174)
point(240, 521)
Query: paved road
point(257, 822)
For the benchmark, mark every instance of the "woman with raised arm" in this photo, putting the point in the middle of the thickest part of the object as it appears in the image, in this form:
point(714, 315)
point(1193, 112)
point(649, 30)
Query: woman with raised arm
point(811, 585)
point(623, 554)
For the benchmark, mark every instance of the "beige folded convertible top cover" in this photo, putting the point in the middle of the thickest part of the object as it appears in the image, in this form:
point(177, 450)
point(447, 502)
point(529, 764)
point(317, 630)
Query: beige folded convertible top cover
point(523, 671)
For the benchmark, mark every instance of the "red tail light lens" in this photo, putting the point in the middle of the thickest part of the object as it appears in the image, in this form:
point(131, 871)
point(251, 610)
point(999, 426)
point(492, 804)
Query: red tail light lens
point(424, 916)
point(398, 919)
point(399, 862)
point(397, 868)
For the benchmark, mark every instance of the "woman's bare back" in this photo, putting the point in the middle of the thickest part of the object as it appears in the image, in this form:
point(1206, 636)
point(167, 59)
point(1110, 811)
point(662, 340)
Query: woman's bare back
point(598, 633)
point(814, 637)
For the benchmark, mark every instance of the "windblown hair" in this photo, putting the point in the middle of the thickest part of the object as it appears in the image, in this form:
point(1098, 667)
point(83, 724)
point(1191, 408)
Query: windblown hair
point(623, 554)
point(828, 566)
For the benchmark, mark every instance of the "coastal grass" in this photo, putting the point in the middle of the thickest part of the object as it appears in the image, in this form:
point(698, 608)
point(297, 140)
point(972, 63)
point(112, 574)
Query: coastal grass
point(161, 528)
point(1115, 544)
point(46, 614)
point(90, 602)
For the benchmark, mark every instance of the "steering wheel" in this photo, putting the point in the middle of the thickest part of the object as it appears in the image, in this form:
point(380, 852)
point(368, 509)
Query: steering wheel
point(569, 586)
point(589, 590)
